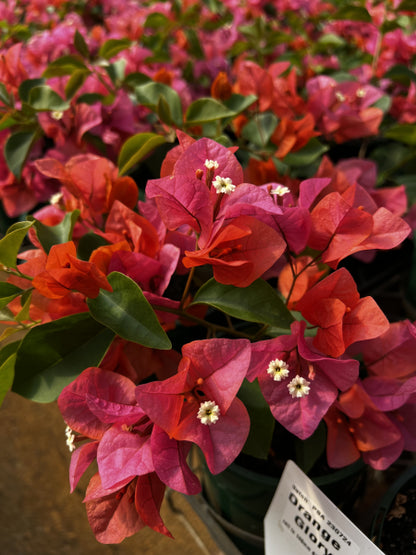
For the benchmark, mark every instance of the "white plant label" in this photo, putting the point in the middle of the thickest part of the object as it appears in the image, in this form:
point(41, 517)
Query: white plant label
point(301, 519)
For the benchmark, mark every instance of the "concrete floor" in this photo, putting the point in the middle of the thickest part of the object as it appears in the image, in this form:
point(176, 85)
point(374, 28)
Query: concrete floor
point(38, 515)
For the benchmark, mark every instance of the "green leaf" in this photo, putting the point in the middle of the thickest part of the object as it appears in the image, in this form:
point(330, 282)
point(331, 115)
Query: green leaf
point(10, 244)
point(164, 112)
point(4, 95)
point(116, 71)
point(402, 74)
point(25, 304)
point(75, 82)
point(260, 128)
point(126, 311)
point(156, 20)
point(50, 235)
point(42, 98)
point(195, 48)
point(306, 155)
point(88, 243)
point(405, 133)
point(112, 47)
point(81, 45)
point(262, 421)
point(331, 40)
point(207, 109)
point(353, 13)
point(65, 65)
point(407, 6)
point(16, 150)
point(136, 148)
point(8, 292)
point(136, 79)
point(258, 302)
point(26, 86)
point(52, 355)
point(384, 103)
point(149, 95)
point(237, 103)
point(6, 376)
point(93, 98)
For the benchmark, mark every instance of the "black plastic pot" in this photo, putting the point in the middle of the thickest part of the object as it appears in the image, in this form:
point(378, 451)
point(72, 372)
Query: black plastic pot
point(394, 524)
point(238, 499)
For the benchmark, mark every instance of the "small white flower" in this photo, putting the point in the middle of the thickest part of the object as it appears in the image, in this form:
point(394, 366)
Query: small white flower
point(223, 185)
point(361, 93)
point(299, 387)
point(280, 190)
point(278, 370)
point(56, 198)
point(208, 413)
point(340, 96)
point(211, 164)
point(57, 115)
point(70, 437)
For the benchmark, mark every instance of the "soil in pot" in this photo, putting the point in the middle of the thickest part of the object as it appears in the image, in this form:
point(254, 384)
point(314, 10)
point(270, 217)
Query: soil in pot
point(399, 530)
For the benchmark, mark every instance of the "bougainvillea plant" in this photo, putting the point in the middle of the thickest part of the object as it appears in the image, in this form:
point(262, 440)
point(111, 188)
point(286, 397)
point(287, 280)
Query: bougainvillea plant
point(187, 190)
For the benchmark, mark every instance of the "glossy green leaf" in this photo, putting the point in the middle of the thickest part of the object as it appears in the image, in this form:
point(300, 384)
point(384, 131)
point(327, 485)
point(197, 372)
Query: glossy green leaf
point(237, 103)
point(156, 21)
point(258, 302)
point(260, 128)
point(52, 355)
point(24, 312)
point(384, 103)
point(88, 243)
point(112, 47)
point(81, 45)
point(164, 112)
point(204, 110)
point(50, 235)
point(75, 82)
point(6, 376)
point(136, 79)
point(405, 133)
point(42, 98)
point(116, 71)
point(16, 150)
point(26, 86)
point(136, 148)
point(8, 292)
point(10, 244)
point(262, 421)
point(65, 65)
point(149, 95)
point(306, 155)
point(126, 311)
